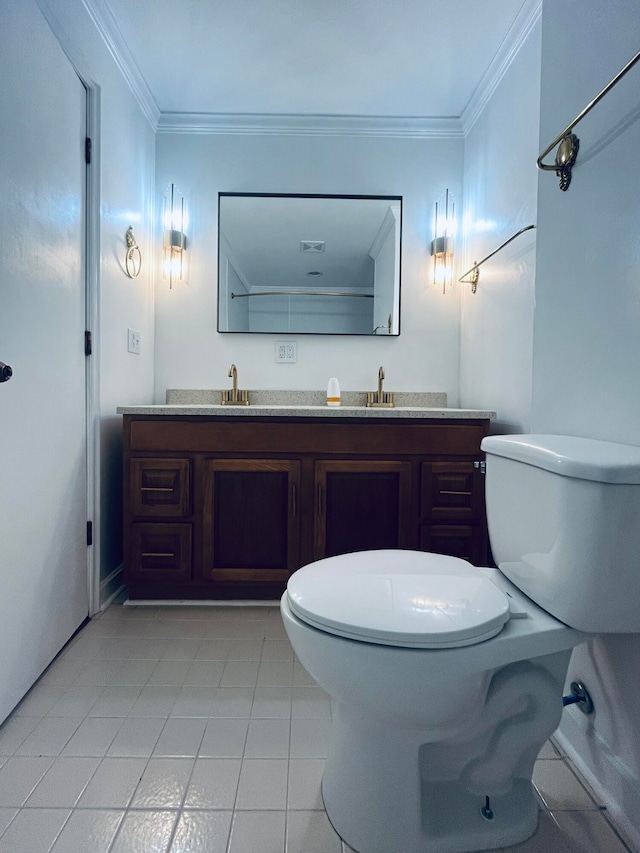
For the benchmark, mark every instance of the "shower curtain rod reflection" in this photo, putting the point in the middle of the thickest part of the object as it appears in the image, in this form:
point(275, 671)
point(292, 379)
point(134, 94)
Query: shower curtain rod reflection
point(303, 293)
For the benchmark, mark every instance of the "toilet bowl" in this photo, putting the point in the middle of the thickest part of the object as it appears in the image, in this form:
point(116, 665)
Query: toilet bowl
point(447, 679)
point(445, 682)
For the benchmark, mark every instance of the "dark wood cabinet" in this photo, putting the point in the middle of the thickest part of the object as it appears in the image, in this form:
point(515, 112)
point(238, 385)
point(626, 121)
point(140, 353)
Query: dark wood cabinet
point(228, 508)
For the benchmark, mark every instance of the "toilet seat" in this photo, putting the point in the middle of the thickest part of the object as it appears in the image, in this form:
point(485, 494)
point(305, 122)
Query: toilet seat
point(410, 599)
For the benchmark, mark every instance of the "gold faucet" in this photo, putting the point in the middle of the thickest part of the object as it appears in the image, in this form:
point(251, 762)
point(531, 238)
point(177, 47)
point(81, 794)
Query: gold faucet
point(235, 397)
point(380, 399)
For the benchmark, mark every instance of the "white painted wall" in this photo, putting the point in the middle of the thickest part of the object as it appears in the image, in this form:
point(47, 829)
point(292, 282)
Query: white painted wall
point(587, 330)
point(124, 153)
point(189, 351)
point(500, 197)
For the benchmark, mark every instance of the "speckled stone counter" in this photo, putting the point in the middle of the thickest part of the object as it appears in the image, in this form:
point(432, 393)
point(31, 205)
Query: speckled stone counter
point(301, 404)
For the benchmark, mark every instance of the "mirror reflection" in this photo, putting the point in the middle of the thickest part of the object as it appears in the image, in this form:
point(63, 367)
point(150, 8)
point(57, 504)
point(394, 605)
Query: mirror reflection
point(309, 264)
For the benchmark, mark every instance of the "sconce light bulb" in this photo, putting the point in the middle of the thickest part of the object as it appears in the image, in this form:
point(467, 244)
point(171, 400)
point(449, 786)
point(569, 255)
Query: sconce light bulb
point(174, 241)
point(442, 243)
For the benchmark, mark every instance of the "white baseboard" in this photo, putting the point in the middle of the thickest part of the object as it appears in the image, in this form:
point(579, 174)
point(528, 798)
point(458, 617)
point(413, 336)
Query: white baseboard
point(607, 774)
point(111, 587)
point(175, 602)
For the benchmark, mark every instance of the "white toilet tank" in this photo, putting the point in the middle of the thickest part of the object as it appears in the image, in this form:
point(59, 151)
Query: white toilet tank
point(564, 525)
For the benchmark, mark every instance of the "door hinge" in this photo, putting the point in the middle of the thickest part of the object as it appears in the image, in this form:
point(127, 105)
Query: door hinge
point(87, 149)
point(481, 466)
point(88, 343)
point(89, 533)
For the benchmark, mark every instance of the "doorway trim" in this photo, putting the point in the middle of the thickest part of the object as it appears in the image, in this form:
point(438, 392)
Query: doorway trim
point(92, 320)
point(73, 51)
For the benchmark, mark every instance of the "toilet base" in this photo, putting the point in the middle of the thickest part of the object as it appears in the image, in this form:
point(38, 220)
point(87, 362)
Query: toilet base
point(456, 823)
point(391, 788)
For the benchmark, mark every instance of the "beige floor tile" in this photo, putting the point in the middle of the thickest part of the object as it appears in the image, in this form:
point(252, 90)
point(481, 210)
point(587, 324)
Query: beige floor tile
point(63, 783)
point(163, 783)
point(145, 832)
point(202, 832)
point(213, 784)
point(305, 778)
point(263, 784)
point(585, 832)
point(311, 832)
point(559, 788)
point(88, 831)
point(33, 830)
point(224, 738)
point(257, 831)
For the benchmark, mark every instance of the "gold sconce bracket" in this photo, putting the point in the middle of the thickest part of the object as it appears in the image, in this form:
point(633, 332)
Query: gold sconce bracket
point(133, 258)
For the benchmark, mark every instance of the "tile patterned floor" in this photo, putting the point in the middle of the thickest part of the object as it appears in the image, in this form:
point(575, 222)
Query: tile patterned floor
point(195, 730)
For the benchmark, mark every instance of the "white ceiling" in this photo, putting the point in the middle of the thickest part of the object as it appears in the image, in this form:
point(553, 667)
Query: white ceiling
point(371, 58)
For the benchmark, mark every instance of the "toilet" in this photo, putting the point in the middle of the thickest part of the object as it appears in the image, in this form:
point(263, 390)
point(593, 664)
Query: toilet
point(446, 679)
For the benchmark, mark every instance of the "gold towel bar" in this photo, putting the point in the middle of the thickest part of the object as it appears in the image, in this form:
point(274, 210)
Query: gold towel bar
point(569, 142)
point(474, 272)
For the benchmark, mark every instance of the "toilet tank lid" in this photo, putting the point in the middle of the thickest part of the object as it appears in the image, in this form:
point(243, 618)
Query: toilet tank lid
point(570, 456)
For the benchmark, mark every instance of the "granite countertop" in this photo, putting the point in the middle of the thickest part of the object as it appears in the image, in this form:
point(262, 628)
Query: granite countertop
point(200, 403)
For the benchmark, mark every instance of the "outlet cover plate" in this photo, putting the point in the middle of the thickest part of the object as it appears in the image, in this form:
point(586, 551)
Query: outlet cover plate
point(286, 352)
point(133, 341)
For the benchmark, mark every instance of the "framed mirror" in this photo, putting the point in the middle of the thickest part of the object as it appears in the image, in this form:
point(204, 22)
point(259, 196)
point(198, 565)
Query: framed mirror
point(309, 264)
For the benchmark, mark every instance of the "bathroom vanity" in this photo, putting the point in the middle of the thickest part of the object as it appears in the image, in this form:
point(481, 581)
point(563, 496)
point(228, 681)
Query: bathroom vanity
point(224, 503)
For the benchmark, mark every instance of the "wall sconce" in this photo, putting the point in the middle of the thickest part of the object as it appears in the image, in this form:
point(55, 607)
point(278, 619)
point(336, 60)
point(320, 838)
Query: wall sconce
point(442, 243)
point(174, 240)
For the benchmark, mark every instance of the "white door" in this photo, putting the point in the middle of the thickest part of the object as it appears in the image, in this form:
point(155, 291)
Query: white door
point(43, 516)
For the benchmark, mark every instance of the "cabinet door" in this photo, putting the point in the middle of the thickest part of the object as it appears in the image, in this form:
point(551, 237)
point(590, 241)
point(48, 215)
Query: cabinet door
point(361, 505)
point(251, 529)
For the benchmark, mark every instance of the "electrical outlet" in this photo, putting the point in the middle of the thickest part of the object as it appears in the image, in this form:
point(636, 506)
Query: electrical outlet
point(286, 352)
point(133, 341)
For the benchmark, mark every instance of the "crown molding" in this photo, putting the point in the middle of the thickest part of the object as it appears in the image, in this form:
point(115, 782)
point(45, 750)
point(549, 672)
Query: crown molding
point(516, 36)
point(309, 125)
point(110, 34)
point(408, 127)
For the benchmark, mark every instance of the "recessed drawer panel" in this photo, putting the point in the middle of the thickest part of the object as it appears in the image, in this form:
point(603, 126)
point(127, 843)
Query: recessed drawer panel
point(451, 491)
point(162, 551)
point(161, 487)
point(458, 540)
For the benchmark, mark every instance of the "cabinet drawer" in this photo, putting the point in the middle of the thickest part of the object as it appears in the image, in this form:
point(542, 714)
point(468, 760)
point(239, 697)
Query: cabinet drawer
point(466, 541)
point(451, 491)
point(161, 552)
point(161, 487)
